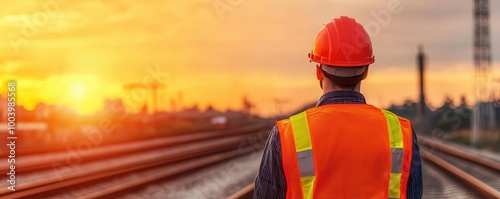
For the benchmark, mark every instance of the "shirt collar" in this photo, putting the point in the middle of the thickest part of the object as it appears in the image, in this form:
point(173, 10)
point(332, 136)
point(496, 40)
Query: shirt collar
point(341, 97)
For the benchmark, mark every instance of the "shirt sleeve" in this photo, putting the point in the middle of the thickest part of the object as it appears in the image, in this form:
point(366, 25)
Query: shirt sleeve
point(270, 182)
point(415, 187)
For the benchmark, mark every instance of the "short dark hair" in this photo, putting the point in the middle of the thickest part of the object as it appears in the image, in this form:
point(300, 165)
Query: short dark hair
point(345, 82)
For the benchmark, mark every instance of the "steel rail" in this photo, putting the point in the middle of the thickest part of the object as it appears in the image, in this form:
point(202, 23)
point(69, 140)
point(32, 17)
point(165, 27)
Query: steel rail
point(476, 184)
point(171, 171)
point(245, 193)
point(458, 153)
point(179, 153)
point(129, 148)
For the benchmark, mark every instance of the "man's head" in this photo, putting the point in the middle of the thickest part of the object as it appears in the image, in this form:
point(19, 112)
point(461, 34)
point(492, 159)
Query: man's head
point(340, 78)
point(343, 52)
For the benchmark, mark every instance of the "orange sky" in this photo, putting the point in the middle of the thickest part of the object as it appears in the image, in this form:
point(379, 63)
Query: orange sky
point(77, 53)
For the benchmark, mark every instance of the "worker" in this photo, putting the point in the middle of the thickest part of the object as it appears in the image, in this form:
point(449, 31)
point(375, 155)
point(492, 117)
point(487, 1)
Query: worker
point(343, 147)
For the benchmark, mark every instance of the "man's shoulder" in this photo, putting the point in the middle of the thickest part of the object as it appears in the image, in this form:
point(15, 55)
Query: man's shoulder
point(403, 122)
point(311, 111)
point(274, 139)
point(401, 119)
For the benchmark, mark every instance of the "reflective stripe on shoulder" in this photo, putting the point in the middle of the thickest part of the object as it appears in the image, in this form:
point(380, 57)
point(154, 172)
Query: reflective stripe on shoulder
point(303, 147)
point(301, 132)
point(396, 144)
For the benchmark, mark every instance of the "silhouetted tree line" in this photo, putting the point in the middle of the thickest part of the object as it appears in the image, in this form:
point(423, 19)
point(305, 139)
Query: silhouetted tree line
point(448, 117)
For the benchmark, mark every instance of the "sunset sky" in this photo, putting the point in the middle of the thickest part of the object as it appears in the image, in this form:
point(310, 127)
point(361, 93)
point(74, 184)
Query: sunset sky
point(77, 53)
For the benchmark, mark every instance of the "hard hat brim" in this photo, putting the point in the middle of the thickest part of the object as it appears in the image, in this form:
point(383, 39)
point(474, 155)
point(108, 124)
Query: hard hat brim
point(343, 71)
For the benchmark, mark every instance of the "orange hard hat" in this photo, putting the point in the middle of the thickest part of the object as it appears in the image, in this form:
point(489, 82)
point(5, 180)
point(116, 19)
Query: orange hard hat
point(342, 42)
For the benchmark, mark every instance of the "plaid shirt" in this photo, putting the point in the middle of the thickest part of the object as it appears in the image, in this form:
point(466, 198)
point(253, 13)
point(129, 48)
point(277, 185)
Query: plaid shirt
point(270, 182)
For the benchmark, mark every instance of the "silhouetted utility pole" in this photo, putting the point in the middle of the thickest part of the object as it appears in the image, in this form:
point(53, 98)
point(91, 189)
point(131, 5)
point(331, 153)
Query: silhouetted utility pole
point(421, 67)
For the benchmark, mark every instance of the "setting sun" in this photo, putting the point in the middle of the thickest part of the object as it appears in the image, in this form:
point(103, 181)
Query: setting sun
point(77, 91)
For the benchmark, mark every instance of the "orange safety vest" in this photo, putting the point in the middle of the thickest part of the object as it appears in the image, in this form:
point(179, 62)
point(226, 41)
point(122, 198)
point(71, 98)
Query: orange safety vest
point(346, 151)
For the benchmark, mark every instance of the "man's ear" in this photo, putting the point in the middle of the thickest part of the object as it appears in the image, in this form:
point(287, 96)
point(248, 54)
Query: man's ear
point(366, 72)
point(319, 73)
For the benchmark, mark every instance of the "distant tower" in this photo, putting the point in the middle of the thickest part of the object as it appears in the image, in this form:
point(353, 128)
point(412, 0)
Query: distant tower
point(421, 67)
point(482, 117)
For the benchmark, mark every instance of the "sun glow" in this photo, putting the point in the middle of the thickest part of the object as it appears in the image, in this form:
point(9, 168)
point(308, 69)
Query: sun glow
point(82, 94)
point(77, 90)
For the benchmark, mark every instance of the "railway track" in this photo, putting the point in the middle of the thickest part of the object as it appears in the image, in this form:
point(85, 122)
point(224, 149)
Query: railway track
point(38, 162)
point(204, 150)
point(465, 175)
point(172, 170)
point(479, 174)
point(438, 184)
point(245, 193)
point(55, 148)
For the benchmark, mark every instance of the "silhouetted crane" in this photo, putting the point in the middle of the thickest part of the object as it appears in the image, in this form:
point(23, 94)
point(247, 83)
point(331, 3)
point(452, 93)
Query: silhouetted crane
point(153, 87)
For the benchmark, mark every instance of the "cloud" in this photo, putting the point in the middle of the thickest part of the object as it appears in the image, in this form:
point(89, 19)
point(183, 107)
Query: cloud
point(116, 40)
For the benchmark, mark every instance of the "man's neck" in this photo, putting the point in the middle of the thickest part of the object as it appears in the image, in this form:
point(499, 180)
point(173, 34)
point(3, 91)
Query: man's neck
point(331, 88)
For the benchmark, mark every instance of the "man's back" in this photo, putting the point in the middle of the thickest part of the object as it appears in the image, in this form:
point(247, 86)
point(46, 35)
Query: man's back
point(346, 151)
point(352, 152)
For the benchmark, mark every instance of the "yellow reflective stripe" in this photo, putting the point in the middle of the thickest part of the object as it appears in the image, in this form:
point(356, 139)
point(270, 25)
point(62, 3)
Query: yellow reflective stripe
point(395, 132)
point(302, 141)
point(307, 186)
point(301, 132)
point(394, 182)
point(396, 144)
